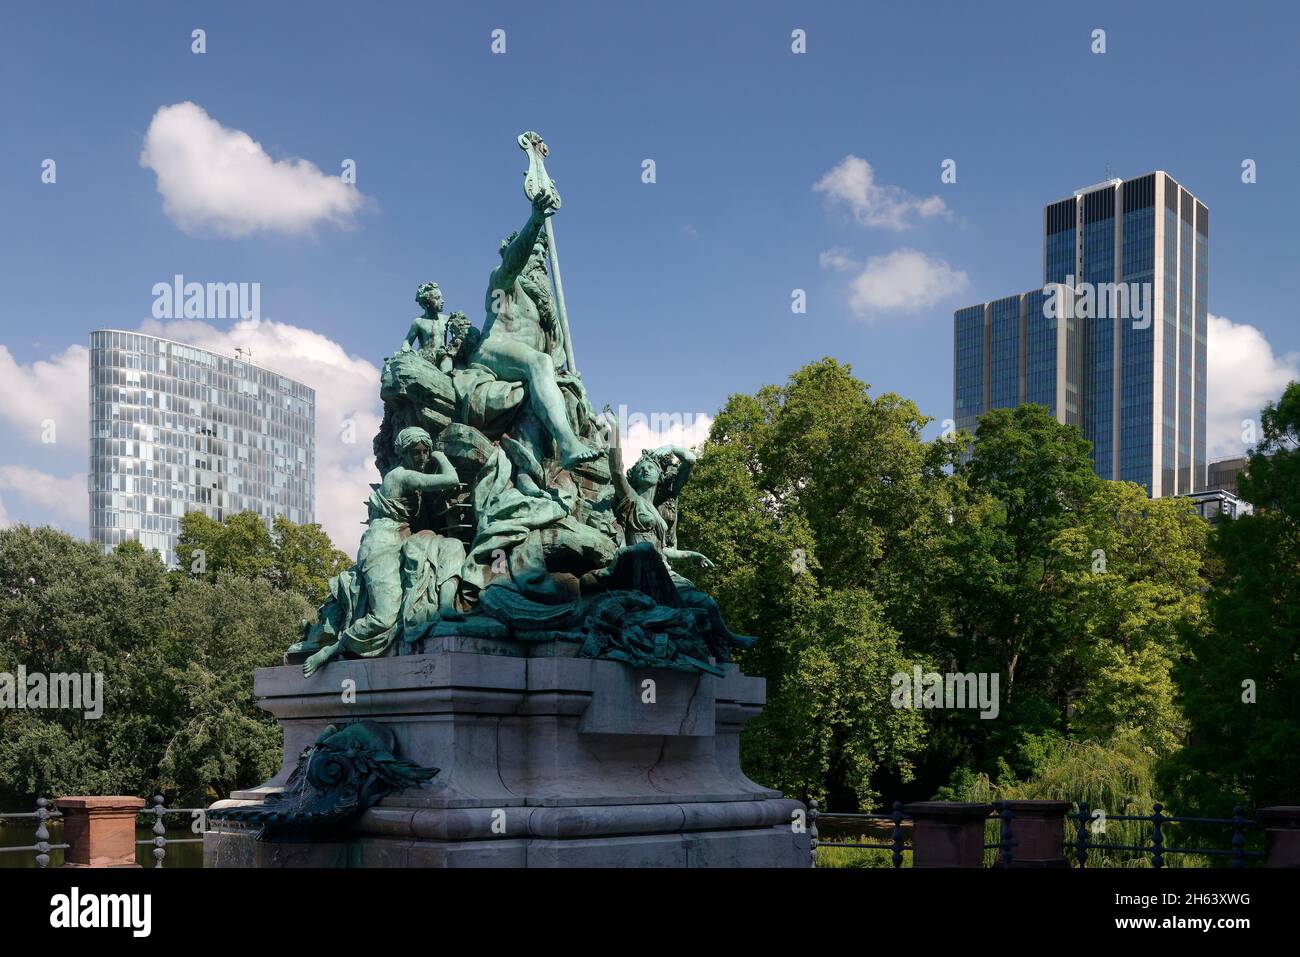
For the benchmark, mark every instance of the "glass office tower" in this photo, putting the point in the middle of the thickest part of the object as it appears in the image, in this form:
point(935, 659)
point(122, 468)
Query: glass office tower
point(176, 429)
point(1018, 349)
point(1129, 363)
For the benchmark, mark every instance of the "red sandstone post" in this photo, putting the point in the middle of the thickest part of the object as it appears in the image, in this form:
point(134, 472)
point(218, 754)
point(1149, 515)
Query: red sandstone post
point(947, 833)
point(1282, 835)
point(1038, 833)
point(99, 831)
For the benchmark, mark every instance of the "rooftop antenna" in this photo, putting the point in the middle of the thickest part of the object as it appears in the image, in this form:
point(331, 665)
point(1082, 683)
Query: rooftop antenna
point(1109, 175)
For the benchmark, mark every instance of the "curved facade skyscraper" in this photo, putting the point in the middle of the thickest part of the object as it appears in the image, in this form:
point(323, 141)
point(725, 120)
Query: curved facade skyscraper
point(176, 429)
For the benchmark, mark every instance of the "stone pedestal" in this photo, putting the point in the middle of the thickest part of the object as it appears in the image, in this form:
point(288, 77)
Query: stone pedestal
point(1281, 835)
point(1038, 829)
point(547, 760)
point(947, 833)
point(99, 831)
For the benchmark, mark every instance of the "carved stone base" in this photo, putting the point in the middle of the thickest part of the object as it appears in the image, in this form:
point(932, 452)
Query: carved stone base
point(547, 760)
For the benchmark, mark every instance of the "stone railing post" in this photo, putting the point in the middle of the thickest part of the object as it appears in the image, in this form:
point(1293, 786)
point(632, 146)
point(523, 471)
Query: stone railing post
point(947, 833)
point(99, 831)
point(1038, 830)
point(1282, 835)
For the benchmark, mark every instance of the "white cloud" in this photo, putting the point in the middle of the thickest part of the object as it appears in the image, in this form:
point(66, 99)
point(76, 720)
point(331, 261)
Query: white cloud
point(347, 390)
point(40, 393)
point(838, 259)
point(651, 431)
point(906, 280)
point(47, 403)
point(65, 498)
point(853, 184)
point(214, 179)
point(1243, 375)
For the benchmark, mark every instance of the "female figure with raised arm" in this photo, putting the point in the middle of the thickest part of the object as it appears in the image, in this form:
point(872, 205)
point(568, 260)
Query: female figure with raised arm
point(646, 505)
point(393, 503)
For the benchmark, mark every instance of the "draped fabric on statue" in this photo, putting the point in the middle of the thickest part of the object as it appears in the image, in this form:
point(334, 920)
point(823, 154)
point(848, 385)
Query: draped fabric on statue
point(505, 517)
point(428, 562)
point(372, 589)
point(484, 401)
point(392, 590)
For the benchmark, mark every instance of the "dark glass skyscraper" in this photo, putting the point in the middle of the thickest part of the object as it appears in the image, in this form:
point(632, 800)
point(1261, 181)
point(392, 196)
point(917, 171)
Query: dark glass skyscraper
point(1015, 350)
point(1125, 361)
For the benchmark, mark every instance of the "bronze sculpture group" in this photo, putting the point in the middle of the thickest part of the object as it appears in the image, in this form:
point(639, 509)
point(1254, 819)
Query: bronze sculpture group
point(503, 510)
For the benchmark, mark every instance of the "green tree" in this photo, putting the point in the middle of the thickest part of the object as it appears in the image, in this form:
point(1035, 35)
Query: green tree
point(304, 560)
point(296, 558)
point(177, 709)
point(855, 550)
point(242, 545)
point(1029, 477)
point(808, 497)
point(1130, 581)
point(1115, 776)
point(1238, 681)
point(1071, 588)
point(220, 739)
point(67, 608)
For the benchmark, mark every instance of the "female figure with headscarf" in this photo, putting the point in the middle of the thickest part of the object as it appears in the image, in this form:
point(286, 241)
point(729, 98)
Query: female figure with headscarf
point(363, 610)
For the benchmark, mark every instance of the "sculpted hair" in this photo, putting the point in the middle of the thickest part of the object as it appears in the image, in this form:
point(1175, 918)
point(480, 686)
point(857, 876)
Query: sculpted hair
point(667, 464)
point(427, 290)
point(409, 437)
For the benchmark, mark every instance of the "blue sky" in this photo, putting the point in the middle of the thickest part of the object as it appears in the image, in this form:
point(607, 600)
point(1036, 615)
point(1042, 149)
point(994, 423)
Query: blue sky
point(679, 292)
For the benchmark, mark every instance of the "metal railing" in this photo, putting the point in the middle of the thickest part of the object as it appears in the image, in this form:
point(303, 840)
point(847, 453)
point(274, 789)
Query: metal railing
point(160, 839)
point(1002, 811)
point(42, 847)
point(896, 846)
point(1075, 851)
point(1083, 843)
point(44, 814)
point(1158, 820)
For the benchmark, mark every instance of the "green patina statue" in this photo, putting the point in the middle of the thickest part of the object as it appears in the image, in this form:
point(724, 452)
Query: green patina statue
point(348, 769)
point(373, 588)
point(430, 327)
point(646, 503)
point(522, 340)
point(502, 512)
point(439, 337)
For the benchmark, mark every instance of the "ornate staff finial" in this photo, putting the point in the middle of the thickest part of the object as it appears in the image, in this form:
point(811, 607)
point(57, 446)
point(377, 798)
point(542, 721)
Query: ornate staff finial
point(536, 181)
